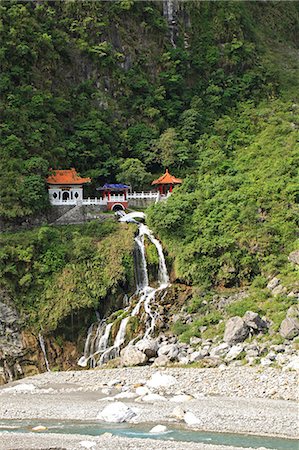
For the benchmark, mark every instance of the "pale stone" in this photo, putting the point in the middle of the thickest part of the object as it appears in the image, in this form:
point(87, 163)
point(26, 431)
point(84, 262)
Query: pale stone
point(220, 350)
point(279, 290)
point(153, 398)
point(289, 327)
point(125, 395)
point(161, 361)
point(254, 321)
point(142, 390)
point(273, 283)
point(294, 257)
point(181, 398)
point(87, 444)
point(178, 413)
point(158, 429)
point(114, 382)
point(236, 330)
point(147, 346)
point(195, 340)
point(234, 352)
point(293, 364)
point(191, 419)
point(39, 428)
point(198, 355)
point(131, 356)
point(159, 380)
point(169, 350)
point(21, 388)
point(117, 412)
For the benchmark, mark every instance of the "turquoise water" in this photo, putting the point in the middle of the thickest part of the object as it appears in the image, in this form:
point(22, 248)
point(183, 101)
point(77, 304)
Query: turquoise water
point(142, 431)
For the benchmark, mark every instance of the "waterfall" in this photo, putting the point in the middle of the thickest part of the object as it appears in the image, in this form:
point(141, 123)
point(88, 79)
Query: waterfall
point(96, 349)
point(140, 263)
point(169, 12)
point(43, 348)
point(163, 275)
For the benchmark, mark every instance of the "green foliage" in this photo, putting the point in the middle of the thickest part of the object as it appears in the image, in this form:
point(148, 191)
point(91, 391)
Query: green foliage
point(186, 331)
point(52, 272)
point(88, 86)
point(133, 173)
point(237, 217)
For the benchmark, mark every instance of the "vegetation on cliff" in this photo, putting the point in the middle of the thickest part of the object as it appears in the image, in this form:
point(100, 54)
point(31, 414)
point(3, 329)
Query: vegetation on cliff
point(100, 86)
point(237, 217)
point(52, 272)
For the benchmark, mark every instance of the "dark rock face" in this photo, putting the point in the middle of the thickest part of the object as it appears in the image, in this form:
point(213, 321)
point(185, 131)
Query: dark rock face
point(11, 346)
point(20, 351)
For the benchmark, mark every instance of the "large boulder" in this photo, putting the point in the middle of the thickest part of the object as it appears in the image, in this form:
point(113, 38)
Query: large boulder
point(161, 361)
point(148, 346)
point(254, 321)
point(160, 380)
point(294, 257)
point(220, 350)
point(116, 412)
point(236, 330)
point(234, 352)
point(169, 350)
point(131, 356)
point(289, 327)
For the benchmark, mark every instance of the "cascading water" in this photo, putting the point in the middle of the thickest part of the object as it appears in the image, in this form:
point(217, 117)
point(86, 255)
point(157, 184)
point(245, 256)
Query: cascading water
point(96, 350)
point(43, 348)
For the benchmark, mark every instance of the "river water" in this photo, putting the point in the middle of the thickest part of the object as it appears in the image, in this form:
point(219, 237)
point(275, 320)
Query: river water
point(142, 431)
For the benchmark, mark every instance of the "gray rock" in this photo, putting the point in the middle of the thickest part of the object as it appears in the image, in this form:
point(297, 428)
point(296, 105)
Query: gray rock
point(273, 283)
point(197, 356)
point(169, 350)
point(279, 290)
point(254, 321)
point(234, 352)
point(195, 340)
point(294, 257)
point(148, 346)
point(289, 327)
point(161, 361)
point(131, 356)
point(220, 350)
point(236, 331)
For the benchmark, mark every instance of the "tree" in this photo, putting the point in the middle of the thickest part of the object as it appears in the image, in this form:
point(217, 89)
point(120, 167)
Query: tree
point(170, 151)
point(132, 172)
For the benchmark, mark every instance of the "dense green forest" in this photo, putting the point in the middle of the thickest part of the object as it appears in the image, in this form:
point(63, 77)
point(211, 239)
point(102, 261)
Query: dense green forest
point(113, 89)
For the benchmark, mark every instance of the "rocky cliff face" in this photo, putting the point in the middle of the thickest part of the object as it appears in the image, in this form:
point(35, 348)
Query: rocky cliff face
point(20, 351)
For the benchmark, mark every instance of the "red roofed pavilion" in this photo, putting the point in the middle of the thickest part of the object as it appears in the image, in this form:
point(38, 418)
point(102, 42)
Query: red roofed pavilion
point(66, 186)
point(166, 183)
point(66, 176)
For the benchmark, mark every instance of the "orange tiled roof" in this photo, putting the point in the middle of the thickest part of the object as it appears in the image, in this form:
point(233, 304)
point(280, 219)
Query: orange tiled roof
point(66, 176)
point(167, 179)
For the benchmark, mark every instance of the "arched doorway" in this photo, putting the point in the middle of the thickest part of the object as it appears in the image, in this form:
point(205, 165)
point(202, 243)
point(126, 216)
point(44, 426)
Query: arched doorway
point(65, 196)
point(118, 207)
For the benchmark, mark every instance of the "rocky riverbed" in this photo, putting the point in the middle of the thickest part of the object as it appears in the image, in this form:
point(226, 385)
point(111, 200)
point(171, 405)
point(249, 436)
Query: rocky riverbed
point(226, 399)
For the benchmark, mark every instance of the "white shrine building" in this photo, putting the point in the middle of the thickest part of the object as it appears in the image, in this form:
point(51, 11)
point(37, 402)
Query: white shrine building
point(66, 187)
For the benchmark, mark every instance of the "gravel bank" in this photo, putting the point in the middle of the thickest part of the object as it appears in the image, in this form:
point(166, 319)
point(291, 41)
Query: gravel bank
point(67, 442)
point(236, 399)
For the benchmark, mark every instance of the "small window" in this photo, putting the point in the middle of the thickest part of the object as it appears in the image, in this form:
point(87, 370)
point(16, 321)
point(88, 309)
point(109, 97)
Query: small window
point(76, 195)
point(54, 195)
